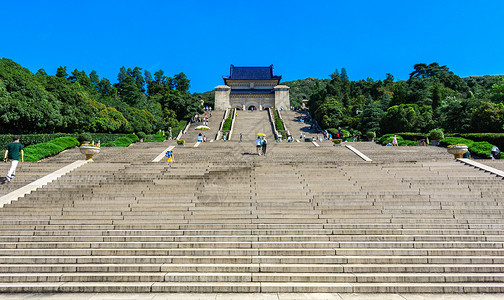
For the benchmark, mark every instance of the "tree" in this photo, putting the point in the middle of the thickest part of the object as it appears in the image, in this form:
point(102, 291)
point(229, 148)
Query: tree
point(41, 72)
point(180, 83)
point(488, 117)
point(407, 118)
point(95, 80)
point(370, 117)
point(389, 79)
point(61, 72)
point(335, 75)
point(344, 75)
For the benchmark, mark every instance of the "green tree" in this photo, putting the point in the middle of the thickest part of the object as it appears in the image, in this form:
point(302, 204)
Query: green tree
point(488, 117)
point(62, 72)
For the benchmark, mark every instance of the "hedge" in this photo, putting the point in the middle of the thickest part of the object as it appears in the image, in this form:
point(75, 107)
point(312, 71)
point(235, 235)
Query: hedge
point(447, 141)
point(412, 136)
point(155, 138)
point(227, 122)
point(481, 149)
point(31, 139)
point(493, 138)
point(124, 141)
point(42, 150)
point(387, 138)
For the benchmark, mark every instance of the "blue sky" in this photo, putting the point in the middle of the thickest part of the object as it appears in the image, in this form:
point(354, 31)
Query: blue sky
point(300, 38)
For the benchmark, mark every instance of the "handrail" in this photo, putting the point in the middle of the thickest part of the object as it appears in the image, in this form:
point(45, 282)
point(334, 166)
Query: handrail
point(183, 131)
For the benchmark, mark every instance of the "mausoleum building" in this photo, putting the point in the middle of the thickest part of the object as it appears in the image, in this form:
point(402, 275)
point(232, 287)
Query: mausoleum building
point(251, 88)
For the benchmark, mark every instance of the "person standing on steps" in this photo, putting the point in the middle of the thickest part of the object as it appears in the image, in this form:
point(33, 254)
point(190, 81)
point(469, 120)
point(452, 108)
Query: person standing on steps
point(394, 141)
point(258, 145)
point(13, 151)
point(264, 145)
point(241, 137)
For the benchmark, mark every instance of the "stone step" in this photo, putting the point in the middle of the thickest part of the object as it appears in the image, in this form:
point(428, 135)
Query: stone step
point(250, 287)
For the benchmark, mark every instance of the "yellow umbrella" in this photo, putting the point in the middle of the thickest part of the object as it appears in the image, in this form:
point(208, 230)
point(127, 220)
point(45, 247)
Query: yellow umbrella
point(260, 134)
point(202, 127)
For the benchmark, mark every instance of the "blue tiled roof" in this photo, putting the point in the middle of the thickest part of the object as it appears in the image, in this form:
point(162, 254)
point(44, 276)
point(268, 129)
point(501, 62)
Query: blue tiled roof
point(245, 73)
point(252, 91)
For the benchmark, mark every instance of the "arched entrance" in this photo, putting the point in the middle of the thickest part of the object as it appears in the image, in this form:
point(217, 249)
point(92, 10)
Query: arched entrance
point(252, 107)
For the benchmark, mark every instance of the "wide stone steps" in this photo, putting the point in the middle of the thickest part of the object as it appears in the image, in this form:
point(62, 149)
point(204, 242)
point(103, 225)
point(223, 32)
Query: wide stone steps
point(302, 219)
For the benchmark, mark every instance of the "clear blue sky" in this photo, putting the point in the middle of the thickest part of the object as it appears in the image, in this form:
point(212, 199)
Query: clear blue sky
point(301, 38)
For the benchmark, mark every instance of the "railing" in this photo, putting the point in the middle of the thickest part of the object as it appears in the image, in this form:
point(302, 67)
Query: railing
point(183, 131)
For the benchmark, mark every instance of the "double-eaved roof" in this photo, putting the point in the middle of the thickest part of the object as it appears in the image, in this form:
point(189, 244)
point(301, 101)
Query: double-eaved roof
point(251, 73)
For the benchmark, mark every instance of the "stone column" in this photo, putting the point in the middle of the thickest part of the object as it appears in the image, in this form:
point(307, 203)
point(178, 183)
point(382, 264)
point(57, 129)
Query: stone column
point(222, 93)
point(282, 97)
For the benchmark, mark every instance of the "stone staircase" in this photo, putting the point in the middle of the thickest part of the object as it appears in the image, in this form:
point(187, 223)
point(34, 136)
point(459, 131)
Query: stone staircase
point(291, 120)
point(303, 219)
point(249, 123)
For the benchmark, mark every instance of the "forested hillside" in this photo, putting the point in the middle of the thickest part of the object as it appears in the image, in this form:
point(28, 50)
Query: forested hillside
point(432, 97)
point(78, 102)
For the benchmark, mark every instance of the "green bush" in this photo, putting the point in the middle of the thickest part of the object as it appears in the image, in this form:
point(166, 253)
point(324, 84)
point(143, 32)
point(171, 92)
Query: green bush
point(106, 137)
point(454, 141)
point(65, 142)
point(124, 141)
point(141, 135)
point(39, 151)
point(180, 142)
point(387, 138)
point(436, 134)
point(407, 143)
point(30, 139)
point(481, 149)
point(227, 124)
point(332, 131)
point(85, 137)
point(155, 138)
point(413, 136)
point(370, 135)
point(493, 138)
point(337, 141)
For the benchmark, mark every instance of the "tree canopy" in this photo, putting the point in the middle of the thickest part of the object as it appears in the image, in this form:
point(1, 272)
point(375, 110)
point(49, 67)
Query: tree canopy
point(76, 102)
point(432, 97)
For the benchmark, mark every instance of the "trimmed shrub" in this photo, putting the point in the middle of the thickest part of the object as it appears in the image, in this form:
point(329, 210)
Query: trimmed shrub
point(124, 141)
point(481, 149)
point(227, 124)
point(155, 138)
point(31, 139)
point(387, 138)
point(406, 143)
point(85, 137)
point(436, 134)
point(337, 141)
point(413, 136)
point(39, 151)
point(141, 135)
point(370, 135)
point(493, 138)
point(454, 141)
